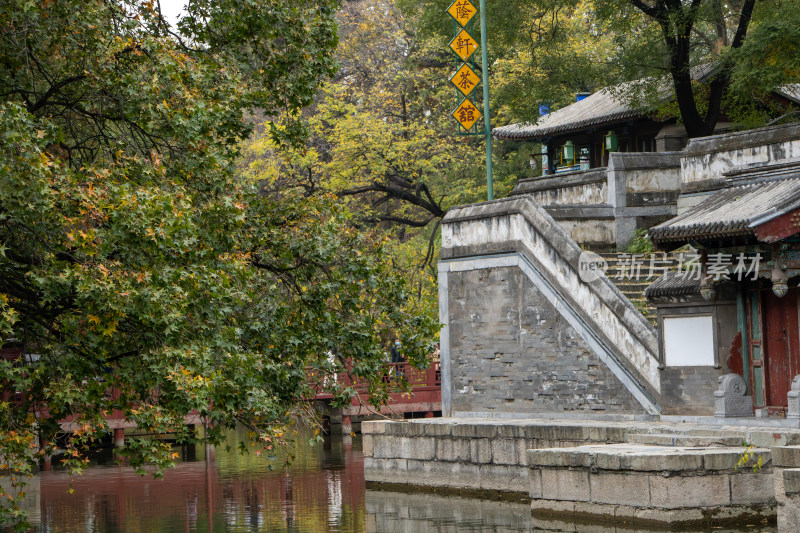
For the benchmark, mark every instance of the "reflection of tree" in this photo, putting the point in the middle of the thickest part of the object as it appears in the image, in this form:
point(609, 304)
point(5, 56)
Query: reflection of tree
point(235, 493)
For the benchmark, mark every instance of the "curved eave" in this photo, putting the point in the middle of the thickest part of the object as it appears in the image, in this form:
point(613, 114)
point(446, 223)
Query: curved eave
point(513, 133)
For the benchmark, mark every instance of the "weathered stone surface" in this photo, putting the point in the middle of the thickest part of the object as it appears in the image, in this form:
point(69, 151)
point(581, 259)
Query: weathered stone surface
point(680, 461)
point(752, 489)
point(374, 426)
point(789, 514)
point(535, 483)
point(559, 457)
point(386, 470)
point(506, 478)
point(448, 449)
point(727, 458)
point(730, 399)
point(419, 448)
point(786, 456)
point(385, 446)
point(480, 451)
point(624, 489)
point(437, 429)
point(475, 430)
point(562, 484)
point(684, 440)
point(505, 451)
point(366, 445)
point(791, 481)
point(671, 492)
point(552, 369)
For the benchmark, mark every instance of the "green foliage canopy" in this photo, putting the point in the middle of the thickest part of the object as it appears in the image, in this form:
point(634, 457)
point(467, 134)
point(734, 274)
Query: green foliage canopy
point(543, 51)
point(139, 274)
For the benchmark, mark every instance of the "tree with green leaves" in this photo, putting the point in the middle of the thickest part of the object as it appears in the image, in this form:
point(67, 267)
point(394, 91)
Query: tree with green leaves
point(713, 58)
point(382, 138)
point(139, 272)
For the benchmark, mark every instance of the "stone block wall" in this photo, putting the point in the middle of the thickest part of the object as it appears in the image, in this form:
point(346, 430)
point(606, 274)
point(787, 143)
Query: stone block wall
point(512, 351)
point(786, 464)
point(652, 483)
point(706, 160)
point(478, 456)
point(601, 208)
point(524, 332)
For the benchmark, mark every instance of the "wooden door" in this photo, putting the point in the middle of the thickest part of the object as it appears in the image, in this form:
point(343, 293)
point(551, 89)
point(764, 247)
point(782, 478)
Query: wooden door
point(781, 345)
point(756, 348)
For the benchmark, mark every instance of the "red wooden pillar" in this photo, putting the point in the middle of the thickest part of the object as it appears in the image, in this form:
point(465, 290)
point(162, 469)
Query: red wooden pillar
point(119, 438)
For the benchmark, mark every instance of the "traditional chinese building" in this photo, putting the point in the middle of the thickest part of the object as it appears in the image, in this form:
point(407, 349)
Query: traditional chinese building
point(530, 329)
point(740, 315)
point(619, 169)
point(581, 135)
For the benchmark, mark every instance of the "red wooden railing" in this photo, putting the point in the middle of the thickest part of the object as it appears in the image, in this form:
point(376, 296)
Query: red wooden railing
point(418, 380)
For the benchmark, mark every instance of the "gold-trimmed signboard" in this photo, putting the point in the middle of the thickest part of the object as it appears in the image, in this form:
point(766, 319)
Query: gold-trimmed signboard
point(467, 114)
point(464, 45)
point(465, 79)
point(462, 11)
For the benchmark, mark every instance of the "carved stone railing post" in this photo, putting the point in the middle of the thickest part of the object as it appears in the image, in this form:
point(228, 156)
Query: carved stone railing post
point(730, 399)
point(793, 411)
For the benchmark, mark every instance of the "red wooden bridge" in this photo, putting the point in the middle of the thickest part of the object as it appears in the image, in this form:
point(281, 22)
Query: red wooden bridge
point(424, 398)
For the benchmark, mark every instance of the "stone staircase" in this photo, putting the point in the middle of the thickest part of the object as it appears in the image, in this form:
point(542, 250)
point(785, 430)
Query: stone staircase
point(633, 276)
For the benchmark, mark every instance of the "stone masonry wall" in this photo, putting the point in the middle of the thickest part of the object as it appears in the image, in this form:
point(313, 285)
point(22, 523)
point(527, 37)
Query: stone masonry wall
point(512, 351)
point(706, 159)
point(476, 456)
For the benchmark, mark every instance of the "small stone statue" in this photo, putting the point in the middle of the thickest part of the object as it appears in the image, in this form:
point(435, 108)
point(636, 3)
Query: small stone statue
point(793, 410)
point(729, 398)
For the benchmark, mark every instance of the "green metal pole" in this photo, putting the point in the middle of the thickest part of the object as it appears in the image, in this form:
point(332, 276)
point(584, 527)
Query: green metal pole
point(487, 123)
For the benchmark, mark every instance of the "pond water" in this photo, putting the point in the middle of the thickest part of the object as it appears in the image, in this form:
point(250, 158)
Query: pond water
point(322, 492)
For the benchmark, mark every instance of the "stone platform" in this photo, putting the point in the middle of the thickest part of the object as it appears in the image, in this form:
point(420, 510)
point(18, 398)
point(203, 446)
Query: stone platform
point(674, 484)
point(642, 471)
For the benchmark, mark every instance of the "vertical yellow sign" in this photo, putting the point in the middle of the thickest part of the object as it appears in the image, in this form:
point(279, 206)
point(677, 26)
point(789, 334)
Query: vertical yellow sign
point(467, 114)
point(462, 11)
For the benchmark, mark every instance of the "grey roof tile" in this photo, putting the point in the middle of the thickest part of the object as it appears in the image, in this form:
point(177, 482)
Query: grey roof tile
point(732, 212)
point(673, 284)
point(598, 109)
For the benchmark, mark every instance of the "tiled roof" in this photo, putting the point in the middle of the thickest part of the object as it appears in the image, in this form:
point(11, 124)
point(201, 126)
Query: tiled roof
point(673, 284)
point(602, 108)
point(598, 109)
point(732, 212)
point(791, 91)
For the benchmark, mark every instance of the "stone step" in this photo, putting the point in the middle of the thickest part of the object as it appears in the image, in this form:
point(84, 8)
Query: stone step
point(691, 441)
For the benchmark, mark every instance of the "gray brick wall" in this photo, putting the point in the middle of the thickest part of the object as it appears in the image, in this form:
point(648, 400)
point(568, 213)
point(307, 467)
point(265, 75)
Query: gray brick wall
point(689, 390)
point(511, 351)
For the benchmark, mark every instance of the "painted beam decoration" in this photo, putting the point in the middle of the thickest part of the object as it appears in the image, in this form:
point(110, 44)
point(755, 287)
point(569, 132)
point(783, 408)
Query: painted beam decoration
point(465, 79)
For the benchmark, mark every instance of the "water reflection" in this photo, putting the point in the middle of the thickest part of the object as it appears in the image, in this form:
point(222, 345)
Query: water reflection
point(390, 512)
point(322, 492)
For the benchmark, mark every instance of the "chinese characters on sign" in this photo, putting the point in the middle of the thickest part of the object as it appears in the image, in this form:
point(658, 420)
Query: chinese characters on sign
point(467, 114)
point(462, 11)
point(464, 45)
point(465, 80)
